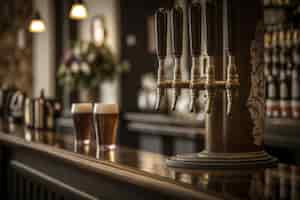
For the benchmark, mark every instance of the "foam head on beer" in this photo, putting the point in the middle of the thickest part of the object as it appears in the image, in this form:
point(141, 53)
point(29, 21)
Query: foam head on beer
point(106, 118)
point(102, 108)
point(83, 122)
point(82, 108)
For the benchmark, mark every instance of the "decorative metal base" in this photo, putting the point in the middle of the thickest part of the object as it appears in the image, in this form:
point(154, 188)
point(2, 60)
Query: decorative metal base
point(205, 159)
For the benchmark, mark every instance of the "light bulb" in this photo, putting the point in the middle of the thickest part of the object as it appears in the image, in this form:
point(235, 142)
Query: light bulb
point(78, 11)
point(37, 24)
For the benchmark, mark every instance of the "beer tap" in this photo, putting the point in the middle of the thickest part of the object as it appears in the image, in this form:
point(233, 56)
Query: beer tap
point(195, 37)
point(161, 24)
point(177, 40)
point(203, 71)
point(208, 76)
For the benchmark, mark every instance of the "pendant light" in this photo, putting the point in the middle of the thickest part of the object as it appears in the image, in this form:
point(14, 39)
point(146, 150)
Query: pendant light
point(37, 24)
point(78, 10)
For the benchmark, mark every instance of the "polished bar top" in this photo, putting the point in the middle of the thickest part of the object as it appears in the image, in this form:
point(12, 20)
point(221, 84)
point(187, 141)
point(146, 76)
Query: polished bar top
point(148, 170)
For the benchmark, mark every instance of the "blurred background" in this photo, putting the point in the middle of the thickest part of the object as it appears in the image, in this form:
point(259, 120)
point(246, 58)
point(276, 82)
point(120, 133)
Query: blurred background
point(104, 50)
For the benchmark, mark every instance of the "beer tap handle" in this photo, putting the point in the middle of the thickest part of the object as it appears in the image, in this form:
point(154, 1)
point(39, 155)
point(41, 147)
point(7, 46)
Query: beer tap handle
point(177, 41)
point(195, 29)
point(161, 28)
point(195, 37)
point(232, 77)
point(210, 26)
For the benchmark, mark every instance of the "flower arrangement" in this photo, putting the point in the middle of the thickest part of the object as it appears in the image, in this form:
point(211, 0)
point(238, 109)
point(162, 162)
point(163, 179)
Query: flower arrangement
point(86, 65)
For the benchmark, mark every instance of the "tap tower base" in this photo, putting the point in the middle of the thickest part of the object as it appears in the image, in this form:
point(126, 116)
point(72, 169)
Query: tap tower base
point(206, 159)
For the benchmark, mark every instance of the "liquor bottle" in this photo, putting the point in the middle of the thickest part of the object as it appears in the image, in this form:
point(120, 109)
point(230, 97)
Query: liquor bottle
point(267, 62)
point(296, 37)
point(295, 77)
point(296, 92)
point(274, 39)
point(285, 93)
point(281, 38)
point(275, 54)
point(267, 39)
point(273, 101)
point(295, 49)
point(267, 69)
point(289, 51)
point(275, 69)
point(267, 56)
point(269, 89)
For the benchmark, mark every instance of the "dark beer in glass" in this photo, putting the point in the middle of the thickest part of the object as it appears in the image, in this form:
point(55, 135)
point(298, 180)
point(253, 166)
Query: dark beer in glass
point(83, 122)
point(106, 119)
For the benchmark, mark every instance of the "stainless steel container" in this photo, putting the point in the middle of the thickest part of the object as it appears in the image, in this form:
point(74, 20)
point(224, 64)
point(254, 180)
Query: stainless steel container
point(40, 112)
point(29, 112)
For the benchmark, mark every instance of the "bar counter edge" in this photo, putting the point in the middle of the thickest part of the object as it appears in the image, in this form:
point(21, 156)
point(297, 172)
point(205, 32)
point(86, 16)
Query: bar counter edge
point(84, 177)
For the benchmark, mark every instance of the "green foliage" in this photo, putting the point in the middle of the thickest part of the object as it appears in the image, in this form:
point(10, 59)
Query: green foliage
point(87, 65)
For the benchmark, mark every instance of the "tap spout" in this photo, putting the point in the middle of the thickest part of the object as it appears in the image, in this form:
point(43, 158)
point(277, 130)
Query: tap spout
point(231, 83)
point(160, 92)
point(210, 83)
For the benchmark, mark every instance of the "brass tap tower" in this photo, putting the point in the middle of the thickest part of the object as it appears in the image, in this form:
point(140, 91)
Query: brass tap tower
point(203, 78)
point(203, 67)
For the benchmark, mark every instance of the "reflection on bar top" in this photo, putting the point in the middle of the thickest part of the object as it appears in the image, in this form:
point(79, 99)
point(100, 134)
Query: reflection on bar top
point(282, 182)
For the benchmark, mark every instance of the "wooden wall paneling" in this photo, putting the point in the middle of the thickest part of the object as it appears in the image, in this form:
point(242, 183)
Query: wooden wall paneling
point(79, 181)
point(22, 184)
point(42, 186)
point(29, 189)
point(15, 185)
point(2, 174)
point(14, 179)
point(5, 170)
point(16, 61)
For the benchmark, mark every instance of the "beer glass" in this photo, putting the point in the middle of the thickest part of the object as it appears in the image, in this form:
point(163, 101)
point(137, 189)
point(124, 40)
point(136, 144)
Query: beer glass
point(83, 122)
point(106, 119)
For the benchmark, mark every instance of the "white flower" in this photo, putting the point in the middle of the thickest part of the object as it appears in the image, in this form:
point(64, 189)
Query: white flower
point(84, 47)
point(148, 81)
point(85, 68)
point(75, 67)
point(76, 51)
point(91, 57)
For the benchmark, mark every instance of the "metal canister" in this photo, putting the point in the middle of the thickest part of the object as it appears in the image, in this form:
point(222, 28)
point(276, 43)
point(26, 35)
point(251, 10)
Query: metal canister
point(29, 113)
point(40, 112)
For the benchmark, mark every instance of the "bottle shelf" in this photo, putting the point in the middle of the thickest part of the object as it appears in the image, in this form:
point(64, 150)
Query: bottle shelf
point(282, 133)
point(287, 122)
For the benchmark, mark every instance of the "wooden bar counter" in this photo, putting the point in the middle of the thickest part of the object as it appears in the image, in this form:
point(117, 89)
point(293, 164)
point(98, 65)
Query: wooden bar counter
point(45, 165)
